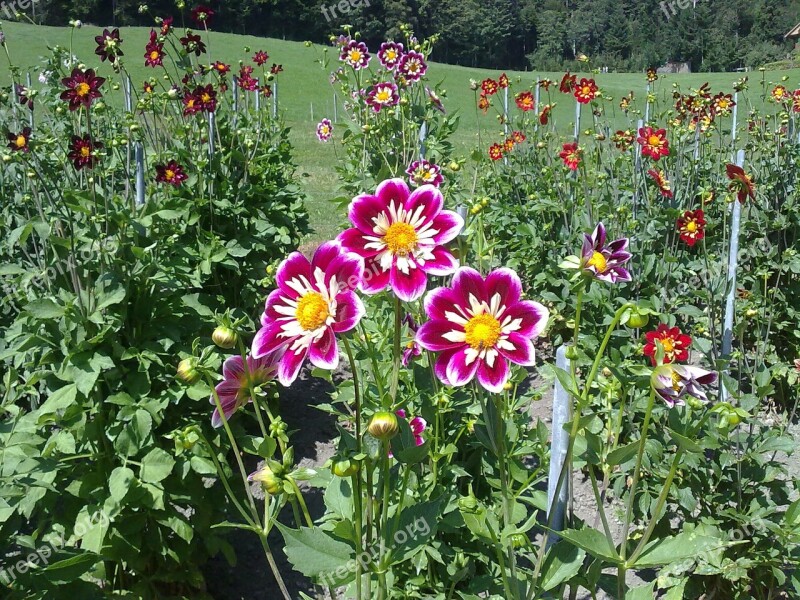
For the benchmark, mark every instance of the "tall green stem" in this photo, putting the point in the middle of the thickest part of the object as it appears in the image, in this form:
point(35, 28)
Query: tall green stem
point(398, 325)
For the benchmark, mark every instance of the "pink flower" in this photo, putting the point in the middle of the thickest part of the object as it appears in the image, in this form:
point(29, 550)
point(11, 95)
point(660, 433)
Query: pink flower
point(412, 66)
point(480, 325)
point(418, 426)
point(401, 237)
point(324, 130)
point(355, 54)
point(421, 172)
point(412, 350)
point(234, 389)
point(314, 301)
point(383, 94)
point(390, 54)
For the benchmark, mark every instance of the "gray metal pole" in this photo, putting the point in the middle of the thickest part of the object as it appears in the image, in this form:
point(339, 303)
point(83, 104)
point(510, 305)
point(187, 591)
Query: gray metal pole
point(212, 121)
point(139, 174)
point(562, 414)
point(423, 133)
point(733, 263)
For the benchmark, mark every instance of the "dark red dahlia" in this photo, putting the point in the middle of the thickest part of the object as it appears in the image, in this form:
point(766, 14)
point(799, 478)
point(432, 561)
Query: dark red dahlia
point(83, 87)
point(171, 174)
point(83, 152)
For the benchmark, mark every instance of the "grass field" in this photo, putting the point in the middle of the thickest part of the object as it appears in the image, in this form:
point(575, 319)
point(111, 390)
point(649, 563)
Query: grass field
point(306, 95)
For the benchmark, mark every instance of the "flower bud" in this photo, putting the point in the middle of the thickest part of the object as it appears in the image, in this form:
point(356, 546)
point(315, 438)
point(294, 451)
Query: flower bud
point(344, 468)
point(271, 483)
point(454, 166)
point(638, 320)
point(383, 425)
point(468, 504)
point(187, 371)
point(224, 337)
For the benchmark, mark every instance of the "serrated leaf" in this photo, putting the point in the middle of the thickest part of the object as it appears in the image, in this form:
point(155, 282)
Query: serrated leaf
point(563, 562)
point(156, 466)
point(318, 555)
point(593, 541)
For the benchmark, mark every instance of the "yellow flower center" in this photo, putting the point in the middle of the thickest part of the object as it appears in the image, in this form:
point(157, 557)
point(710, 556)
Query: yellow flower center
point(206, 98)
point(85, 151)
point(668, 344)
point(312, 311)
point(400, 238)
point(21, 141)
point(391, 55)
point(586, 90)
point(82, 89)
point(384, 95)
point(676, 380)
point(355, 56)
point(654, 140)
point(599, 262)
point(190, 103)
point(691, 227)
point(169, 174)
point(482, 331)
point(154, 55)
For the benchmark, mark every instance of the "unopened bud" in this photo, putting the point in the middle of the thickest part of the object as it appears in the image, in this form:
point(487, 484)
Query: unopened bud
point(187, 371)
point(224, 337)
point(383, 426)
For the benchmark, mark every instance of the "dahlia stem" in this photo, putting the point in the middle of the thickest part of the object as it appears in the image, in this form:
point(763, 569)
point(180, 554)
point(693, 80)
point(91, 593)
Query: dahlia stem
point(384, 521)
point(356, 483)
point(398, 325)
point(356, 390)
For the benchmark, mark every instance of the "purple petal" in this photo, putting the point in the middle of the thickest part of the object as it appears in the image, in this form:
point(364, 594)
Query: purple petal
point(494, 378)
point(393, 190)
point(468, 282)
point(267, 340)
point(364, 210)
point(296, 265)
point(431, 336)
point(521, 351)
point(375, 279)
point(233, 367)
point(349, 311)
point(449, 225)
point(290, 364)
point(443, 263)
point(324, 352)
point(458, 371)
point(532, 317)
point(428, 201)
point(440, 368)
point(506, 284)
point(408, 287)
point(440, 301)
point(599, 235)
point(324, 255)
point(353, 240)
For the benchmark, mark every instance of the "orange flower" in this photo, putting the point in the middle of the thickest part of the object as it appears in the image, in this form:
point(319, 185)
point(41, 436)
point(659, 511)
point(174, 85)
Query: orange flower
point(489, 87)
point(652, 75)
point(780, 93)
point(503, 81)
point(544, 116)
point(567, 83)
point(496, 151)
point(796, 101)
point(571, 155)
point(518, 137)
point(654, 142)
point(585, 91)
point(623, 140)
point(483, 103)
point(692, 226)
point(508, 145)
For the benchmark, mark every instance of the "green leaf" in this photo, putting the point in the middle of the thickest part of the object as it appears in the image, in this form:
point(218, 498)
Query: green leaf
point(685, 545)
point(70, 569)
point(60, 399)
point(622, 454)
point(120, 482)
point(563, 562)
point(156, 466)
point(593, 541)
point(318, 555)
point(44, 309)
point(417, 525)
point(566, 380)
point(109, 299)
point(685, 443)
point(643, 592)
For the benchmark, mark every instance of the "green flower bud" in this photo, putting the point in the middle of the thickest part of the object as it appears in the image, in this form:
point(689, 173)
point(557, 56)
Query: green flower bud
point(638, 320)
point(187, 371)
point(468, 504)
point(344, 468)
point(224, 337)
point(383, 426)
point(271, 483)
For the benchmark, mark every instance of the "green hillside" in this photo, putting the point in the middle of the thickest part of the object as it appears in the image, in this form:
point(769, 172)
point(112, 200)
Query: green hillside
point(306, 95)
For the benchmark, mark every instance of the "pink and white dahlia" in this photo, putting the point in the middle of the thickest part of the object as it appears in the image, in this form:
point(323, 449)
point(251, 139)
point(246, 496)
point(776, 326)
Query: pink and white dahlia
point(314, 301)
point(390, 54)
point(383, 94)
point(234, 389)
point(480, 325)
point(412, 66)
point(355, 54)
point(418, 426)
point(401, 236)
point(421, 172)
point(324, 130)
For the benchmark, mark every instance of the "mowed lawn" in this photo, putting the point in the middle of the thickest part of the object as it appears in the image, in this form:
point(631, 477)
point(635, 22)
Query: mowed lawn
point(305, 94)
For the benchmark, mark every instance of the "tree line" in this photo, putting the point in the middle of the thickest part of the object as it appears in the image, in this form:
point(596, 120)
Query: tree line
point(711, 35)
